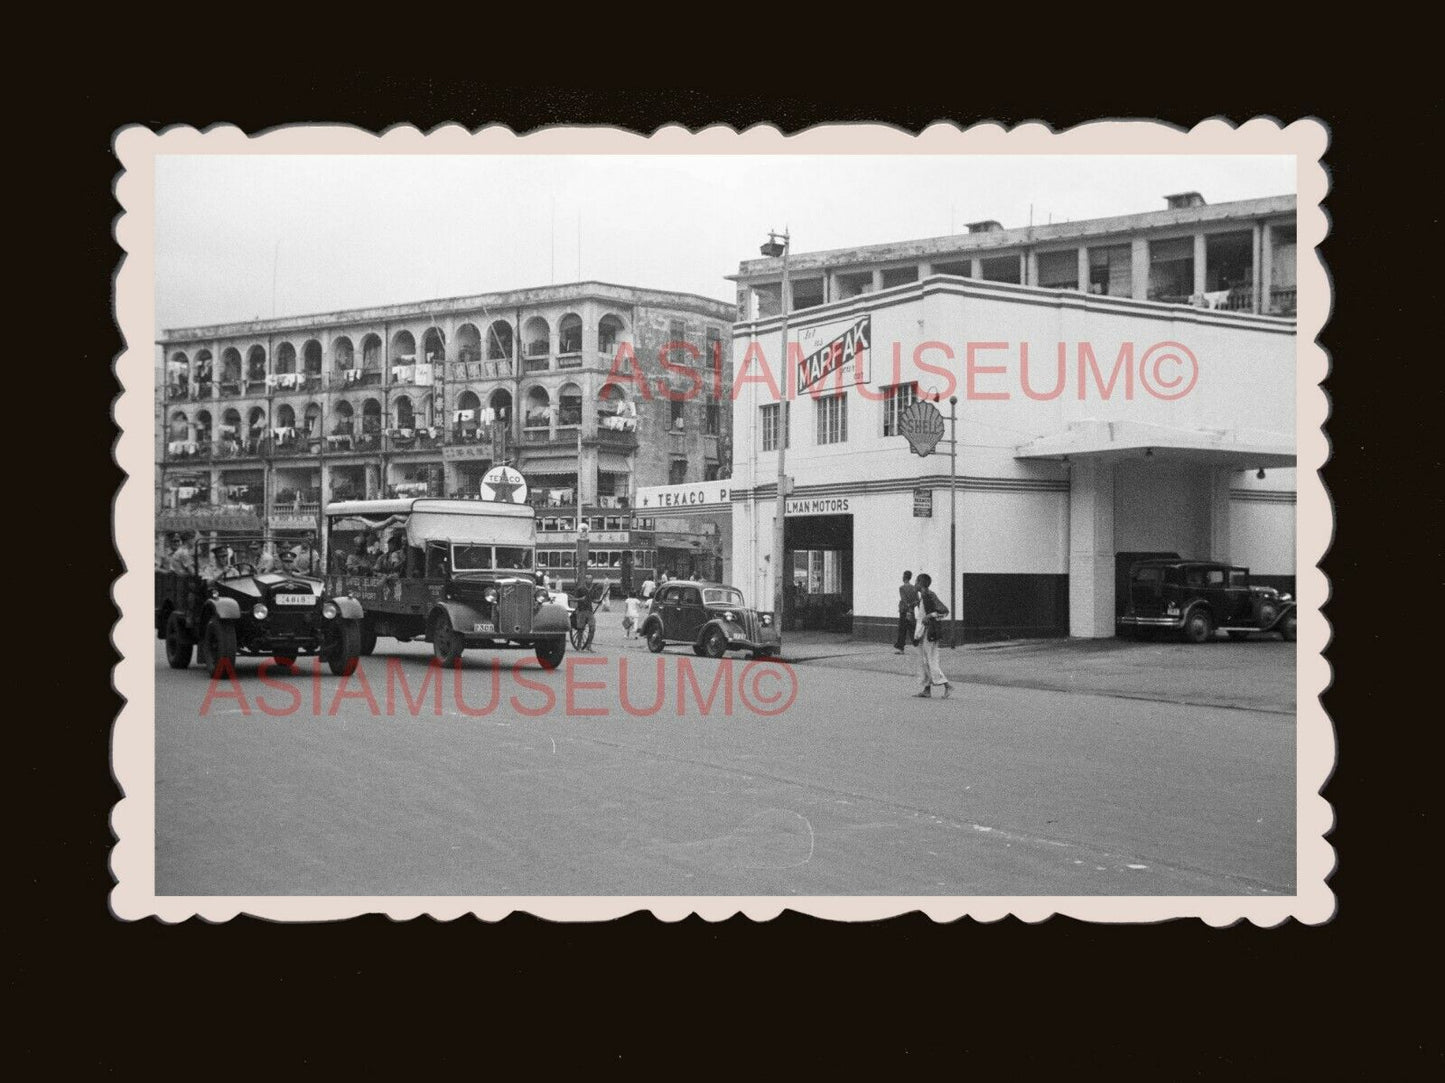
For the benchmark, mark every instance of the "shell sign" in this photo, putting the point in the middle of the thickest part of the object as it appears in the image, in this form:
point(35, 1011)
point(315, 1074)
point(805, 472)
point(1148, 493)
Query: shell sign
point(922, 426)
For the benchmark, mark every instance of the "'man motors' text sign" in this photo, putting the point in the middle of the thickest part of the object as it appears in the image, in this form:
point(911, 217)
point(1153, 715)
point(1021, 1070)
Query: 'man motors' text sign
point(833, 346)
point(818, 505)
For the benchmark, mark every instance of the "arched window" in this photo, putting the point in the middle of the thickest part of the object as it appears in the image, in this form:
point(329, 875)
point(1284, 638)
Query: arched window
point(609, 334)
point(285, 359)
point(311, 419)
point(499, 341)
point(539, 410)
point(371, 353)
point(230, 367)
point(203, 427)
point(256, 364)
point(311, 358)
point(433, 348)
point(345, 419)
point(569, 334)
point(256, 426)
point(371, 416)
point(180, 427)
point(231, 428)
point(536, 338)
point(501, 404)
point(468, 343)
point(343, 353)
point(405, 414)
point(285, 416)
point(615, 411)
point(466, 420)
point(569, 406)
point(203, 372)
point(403, 348)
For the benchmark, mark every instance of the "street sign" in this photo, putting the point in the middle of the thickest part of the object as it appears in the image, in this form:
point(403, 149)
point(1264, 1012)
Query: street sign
point(923, 503)
point(922, 426)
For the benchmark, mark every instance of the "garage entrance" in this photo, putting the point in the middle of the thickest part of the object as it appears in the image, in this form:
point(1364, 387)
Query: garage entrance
point(818, 593)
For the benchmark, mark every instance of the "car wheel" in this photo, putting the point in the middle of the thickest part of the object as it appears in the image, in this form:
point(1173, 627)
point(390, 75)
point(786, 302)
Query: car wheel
point(345, 648)
point(179, 647)
point(1199, 627)
point(1287, 628)
point(218, 647)
point(550, 652)
point(655, 642)
point(446, 645)
point(715, 645)
point(697, 649)
point(368, 640)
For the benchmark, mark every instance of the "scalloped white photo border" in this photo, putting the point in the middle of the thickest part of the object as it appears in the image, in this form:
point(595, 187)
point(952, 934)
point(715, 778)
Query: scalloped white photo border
point(133, 740)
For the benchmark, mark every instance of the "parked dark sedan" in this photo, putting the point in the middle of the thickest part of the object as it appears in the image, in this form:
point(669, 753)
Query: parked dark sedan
point(1197, 598)
point(710, 617)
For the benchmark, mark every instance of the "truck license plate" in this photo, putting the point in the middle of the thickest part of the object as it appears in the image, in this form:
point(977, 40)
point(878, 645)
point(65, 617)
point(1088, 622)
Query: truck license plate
point(483, 626)
point(294, 599)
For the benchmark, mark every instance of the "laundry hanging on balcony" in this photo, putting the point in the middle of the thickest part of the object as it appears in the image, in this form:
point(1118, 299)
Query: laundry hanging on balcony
point(350, 376)
point(402, 374)
point(424, 375)
point(464, 415)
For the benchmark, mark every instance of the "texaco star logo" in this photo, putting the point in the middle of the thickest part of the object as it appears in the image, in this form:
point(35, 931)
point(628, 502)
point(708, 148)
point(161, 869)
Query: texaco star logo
point(504, 485)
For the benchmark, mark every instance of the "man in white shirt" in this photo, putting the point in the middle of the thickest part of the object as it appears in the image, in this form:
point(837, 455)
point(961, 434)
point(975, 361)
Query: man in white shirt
point(648, 586)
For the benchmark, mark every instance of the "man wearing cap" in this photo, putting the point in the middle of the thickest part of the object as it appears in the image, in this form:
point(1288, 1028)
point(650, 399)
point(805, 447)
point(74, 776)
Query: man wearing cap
point(211, 566)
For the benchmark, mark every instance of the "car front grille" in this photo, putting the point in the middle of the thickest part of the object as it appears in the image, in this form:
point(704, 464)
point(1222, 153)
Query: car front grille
point(514, 608)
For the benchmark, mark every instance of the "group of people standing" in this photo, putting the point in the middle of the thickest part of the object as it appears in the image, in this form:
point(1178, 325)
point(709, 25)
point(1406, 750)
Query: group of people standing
point(920, 614)
point(181, 557)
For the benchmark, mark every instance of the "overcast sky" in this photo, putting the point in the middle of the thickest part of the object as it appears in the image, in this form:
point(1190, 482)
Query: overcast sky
point(245, 237)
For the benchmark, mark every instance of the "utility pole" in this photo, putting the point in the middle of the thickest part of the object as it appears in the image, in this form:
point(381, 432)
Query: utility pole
point(774, 248)
point(953, 522)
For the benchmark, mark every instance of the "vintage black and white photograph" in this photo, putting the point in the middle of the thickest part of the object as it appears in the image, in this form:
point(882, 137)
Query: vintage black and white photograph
point(582, 523)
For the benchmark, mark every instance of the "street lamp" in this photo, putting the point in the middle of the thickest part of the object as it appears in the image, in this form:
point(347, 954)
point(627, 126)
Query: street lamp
point(774, 248)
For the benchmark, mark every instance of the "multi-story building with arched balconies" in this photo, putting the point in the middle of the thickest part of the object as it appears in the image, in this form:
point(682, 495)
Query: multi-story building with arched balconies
point(264, 422)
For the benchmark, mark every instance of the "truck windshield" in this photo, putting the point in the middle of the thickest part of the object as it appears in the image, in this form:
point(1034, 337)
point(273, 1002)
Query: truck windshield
point(481, 558)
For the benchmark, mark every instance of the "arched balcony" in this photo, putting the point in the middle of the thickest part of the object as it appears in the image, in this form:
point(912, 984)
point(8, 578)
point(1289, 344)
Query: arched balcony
point(311, 364)
point(255, 430)
point(228, 435)
point(569, 410)
point(536, 345)
point(467, 427)
point(611, 335)
point(203, 434)
point(180, 442)
point(501, 348)
point(369, 438)
point(178, 376)
point(468, 344)
point(256, 369)
point(537, 416)
point(569, 342)
point(232, 366)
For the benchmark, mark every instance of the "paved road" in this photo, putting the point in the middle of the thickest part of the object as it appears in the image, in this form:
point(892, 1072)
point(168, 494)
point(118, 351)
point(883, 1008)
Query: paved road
point(856, 788)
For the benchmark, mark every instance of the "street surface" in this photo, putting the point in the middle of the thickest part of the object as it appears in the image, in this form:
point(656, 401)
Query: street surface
point(1062, 786)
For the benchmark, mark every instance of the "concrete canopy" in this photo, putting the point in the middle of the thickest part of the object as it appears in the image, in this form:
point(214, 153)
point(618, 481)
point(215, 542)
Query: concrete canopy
point(1114, 440)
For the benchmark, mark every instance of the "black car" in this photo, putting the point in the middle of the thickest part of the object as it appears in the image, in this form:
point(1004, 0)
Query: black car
point(1197, 598)
point(242, 612)
point(711, 618)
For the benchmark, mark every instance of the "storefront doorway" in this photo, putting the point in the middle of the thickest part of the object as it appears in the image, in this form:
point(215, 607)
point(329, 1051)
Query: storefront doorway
point(818, 593)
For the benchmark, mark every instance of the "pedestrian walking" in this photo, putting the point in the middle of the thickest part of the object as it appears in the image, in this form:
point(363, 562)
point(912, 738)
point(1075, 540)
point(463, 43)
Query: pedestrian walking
point(926, 633)
point(907, 603)
point(633, 616)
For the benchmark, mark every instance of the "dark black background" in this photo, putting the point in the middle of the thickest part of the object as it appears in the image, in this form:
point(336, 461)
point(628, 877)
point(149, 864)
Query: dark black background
point(1169, 999)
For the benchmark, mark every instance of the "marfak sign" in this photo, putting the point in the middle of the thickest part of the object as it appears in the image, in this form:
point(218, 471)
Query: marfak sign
point(823, 358)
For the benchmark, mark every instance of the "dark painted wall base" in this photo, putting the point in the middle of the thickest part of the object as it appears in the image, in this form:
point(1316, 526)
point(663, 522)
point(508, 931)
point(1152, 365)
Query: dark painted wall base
point(995, 606)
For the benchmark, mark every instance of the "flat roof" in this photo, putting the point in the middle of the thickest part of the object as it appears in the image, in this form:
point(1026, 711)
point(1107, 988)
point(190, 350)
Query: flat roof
point(502, 300)
point(961, 244)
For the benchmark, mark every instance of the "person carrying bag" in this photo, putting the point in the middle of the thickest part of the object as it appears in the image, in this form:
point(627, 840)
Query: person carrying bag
point(926, 634)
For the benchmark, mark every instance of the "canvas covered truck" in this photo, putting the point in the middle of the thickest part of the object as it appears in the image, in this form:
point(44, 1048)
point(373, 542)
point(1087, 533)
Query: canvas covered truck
point(457, 573)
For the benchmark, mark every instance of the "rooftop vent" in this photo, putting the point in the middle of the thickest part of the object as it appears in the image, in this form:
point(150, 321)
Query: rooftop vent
point(989, 226)
point(1182, 200)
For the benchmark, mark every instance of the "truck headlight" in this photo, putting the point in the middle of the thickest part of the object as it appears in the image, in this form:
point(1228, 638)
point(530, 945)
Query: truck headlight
point(490, 596)
point(730, 617)
point(259, 611)
point(543, 595)
point(766, 619)
point(329, 610)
